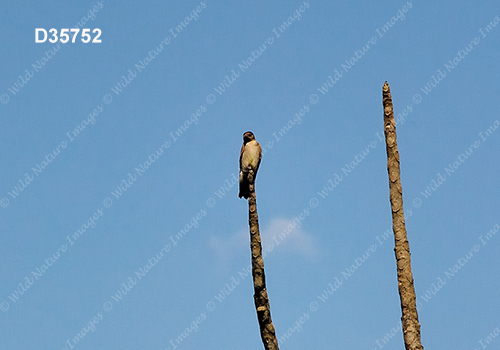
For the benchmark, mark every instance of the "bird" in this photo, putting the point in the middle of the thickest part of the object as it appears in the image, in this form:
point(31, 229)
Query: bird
point(250, 156)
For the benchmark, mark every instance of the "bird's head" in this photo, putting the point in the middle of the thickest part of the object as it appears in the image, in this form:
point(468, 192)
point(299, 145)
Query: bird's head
point(248, 136)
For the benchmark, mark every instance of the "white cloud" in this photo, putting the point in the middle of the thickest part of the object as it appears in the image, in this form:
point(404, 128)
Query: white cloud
point(285, 235)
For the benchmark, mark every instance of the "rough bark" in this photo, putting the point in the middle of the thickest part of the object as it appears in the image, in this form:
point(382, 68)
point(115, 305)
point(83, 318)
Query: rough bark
point(267, 331)
point(409, 318)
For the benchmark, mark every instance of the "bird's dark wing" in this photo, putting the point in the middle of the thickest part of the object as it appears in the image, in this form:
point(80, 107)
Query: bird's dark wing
point(241, 156)
point(243, 179)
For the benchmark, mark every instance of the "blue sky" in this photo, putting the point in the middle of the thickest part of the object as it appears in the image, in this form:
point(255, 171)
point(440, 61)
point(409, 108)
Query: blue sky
point(132, 145)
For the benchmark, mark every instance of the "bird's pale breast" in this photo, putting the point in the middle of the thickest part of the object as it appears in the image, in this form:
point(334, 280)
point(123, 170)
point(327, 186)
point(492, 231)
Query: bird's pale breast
point(251, 154)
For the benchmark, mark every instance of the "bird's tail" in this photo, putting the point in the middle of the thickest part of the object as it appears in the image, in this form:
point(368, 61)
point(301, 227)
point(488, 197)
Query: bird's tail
point(244, 187)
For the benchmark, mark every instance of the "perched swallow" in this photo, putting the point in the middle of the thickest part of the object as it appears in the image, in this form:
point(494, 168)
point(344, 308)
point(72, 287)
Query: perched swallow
point(250, 157)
